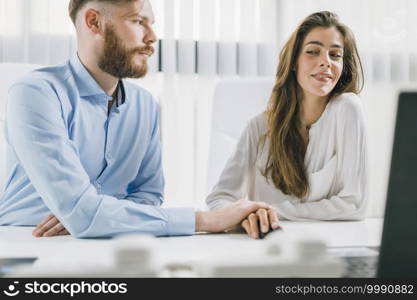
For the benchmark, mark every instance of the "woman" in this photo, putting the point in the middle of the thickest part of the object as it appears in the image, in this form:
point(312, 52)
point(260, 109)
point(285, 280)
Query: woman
point(306, 155)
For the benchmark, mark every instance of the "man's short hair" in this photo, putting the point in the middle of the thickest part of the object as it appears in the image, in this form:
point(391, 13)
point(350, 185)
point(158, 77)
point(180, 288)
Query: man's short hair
point(75, 6)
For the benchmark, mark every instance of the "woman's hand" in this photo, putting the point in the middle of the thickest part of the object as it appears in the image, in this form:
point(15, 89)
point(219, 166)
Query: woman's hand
point(50, 226)
point(260, 221)
point(227, 217)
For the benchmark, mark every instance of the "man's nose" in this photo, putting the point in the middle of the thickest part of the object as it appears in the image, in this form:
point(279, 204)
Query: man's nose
point(150, 36)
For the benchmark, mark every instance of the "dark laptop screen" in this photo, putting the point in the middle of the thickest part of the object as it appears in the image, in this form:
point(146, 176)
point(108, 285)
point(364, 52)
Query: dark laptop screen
point(398, 252)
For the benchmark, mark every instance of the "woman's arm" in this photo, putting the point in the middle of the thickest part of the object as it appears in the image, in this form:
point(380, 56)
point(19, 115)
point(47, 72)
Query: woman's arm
point(233, 181)
point(350, 201)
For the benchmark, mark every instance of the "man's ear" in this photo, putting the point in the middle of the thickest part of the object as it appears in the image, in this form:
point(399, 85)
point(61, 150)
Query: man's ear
point(93, 20)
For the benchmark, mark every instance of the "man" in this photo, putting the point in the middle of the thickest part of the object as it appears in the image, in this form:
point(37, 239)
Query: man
point(84, 145)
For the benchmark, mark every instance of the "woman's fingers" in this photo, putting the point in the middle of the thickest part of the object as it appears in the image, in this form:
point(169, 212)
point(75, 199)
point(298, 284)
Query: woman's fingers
point(273, 218)
point(245, 225)
point(263, 220)
point(253, 223)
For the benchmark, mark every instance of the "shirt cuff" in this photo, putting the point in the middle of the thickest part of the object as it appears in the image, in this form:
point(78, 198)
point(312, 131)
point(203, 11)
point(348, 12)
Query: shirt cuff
point(181, 221)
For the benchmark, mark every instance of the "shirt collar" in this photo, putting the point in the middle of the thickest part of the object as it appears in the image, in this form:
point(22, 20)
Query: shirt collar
point(88, 86)
point(120, 94)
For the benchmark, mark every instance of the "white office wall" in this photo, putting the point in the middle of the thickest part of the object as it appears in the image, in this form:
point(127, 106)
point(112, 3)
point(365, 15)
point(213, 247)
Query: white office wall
point(238, 38)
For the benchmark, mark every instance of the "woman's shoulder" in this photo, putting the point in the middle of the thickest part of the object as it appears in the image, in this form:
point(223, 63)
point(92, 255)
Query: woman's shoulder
point(348, 105)
point(257, 126)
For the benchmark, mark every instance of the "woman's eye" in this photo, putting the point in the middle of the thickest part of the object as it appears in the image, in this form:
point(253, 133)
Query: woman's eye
point(336, 55)
point(312, 52)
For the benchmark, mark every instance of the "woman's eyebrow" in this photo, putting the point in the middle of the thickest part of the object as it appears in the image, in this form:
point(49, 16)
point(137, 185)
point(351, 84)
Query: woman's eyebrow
point(321, 44)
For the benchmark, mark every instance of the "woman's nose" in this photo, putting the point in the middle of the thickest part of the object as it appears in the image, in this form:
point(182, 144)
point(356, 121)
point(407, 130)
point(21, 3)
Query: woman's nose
point(325, 60)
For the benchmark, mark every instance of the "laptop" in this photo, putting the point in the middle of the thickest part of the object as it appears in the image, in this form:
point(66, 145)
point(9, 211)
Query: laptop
point(397, 255)
point(398, 250)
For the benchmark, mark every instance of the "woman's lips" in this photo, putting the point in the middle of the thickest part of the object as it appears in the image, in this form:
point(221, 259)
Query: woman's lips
point(322, 77)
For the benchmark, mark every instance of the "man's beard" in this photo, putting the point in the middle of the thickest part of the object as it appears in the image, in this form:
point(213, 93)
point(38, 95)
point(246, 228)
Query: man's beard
point(117, 60)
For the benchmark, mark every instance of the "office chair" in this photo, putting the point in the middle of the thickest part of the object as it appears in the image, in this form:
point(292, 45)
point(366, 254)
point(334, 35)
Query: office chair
point(235, 102)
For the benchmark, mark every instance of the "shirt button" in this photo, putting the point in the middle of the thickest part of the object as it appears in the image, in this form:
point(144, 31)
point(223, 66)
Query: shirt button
point(108, 155)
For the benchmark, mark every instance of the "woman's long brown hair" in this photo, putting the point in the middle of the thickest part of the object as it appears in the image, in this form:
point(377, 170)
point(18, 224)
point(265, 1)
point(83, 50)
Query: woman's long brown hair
point(285, 164)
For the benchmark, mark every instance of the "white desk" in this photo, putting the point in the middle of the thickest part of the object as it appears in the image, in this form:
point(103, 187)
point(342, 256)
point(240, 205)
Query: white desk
point(63, 251)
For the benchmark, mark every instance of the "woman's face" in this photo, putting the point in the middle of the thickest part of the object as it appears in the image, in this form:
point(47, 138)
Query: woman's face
point(320, 62)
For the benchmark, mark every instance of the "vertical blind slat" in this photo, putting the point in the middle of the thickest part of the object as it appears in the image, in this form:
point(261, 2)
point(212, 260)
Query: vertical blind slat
point(227, 37)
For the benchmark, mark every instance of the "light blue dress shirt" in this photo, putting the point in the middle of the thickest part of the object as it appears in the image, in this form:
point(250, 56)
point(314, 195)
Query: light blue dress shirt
point(99, 174)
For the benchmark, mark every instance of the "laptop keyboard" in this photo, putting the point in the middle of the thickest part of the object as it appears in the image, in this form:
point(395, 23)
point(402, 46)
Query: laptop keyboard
point(361, 261)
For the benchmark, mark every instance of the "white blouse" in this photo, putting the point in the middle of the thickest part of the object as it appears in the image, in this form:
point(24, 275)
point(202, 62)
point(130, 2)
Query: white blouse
point(336, 164)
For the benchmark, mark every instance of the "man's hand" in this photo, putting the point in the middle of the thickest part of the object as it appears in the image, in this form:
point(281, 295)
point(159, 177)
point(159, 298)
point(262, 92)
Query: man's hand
point(50, 226)
point(228, 217)
point(266, 219)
